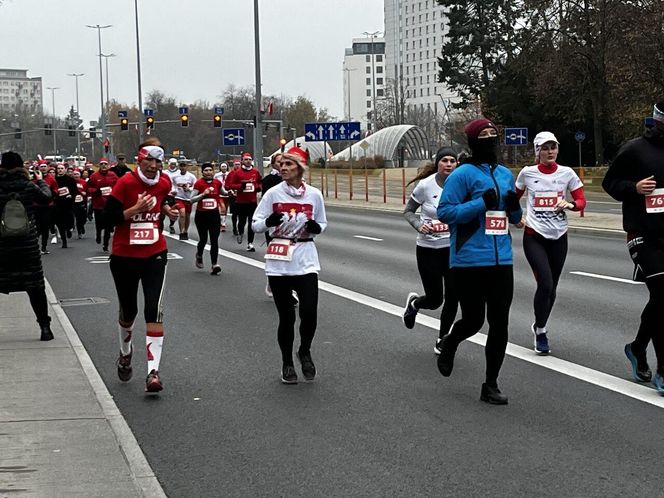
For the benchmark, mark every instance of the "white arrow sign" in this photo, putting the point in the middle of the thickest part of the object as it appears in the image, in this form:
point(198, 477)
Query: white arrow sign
point(310, 135)
point(320, 132)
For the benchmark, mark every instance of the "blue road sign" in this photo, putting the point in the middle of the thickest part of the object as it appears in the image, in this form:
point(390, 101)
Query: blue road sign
point(148, 112)
point(183, 110)
point(122, 114)
point(219, 110)
point(516, 136)
point(579, 136)
point(233, 136)
point(330, 132)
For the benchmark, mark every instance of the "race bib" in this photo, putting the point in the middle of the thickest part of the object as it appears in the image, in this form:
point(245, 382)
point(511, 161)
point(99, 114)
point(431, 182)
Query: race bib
point(63, 191)
point(209, 204)
point(545, 201)
point(78, 198)
point(439, 227)
point(143, 233)
point(280, 250)
point(249, 187)
point(655, 201)
point(496, 223)
point(105, 191)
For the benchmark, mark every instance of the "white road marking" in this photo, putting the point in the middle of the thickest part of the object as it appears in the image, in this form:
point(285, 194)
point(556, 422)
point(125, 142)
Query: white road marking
point(600, 379)
point(367, 238)
point(606, 277)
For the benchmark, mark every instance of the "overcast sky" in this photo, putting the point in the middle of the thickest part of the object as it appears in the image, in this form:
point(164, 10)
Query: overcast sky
point(190, 49)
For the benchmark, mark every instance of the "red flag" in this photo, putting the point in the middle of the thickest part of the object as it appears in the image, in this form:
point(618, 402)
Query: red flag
point(270, 108)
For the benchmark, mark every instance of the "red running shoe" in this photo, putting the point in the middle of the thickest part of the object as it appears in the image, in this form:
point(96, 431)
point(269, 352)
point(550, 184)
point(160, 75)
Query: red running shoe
point(153, 382)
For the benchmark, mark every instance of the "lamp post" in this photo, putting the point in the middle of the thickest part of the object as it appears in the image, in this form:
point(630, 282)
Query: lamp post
point(348, 71)
point(101, 79)
point(138, 70)
point(373, 35)
point(258, 129)
point(55, 142)
point(108, 90)
point(78, 113)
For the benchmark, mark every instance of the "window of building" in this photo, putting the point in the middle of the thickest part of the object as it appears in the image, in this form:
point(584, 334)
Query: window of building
point(368, 93)
point(368, 104)
point(368, 68)
point(367, 58)
point(380, 92)
point(379, 81)
point(379, 69)
point(368, 81)
point(379, 58)
point(428, 91)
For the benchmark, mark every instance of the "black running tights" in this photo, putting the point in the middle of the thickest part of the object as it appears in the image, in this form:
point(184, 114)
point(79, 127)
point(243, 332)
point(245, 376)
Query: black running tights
point(306, 287)
point(39, 304)
point(208, 222)
point(651, 322)
point(484, 290)
point(546, 258)
point(245, 212)
point(434, 268)
point(102, 227)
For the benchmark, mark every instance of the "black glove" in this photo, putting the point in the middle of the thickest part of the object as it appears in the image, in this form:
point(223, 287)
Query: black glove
point(169, 200)
point(313, 227)
point(274, 220)
point(490, 199)
point(512, 201)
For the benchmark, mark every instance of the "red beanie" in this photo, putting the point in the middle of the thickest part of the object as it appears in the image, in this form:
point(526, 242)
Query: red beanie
point(473, 129)
point(298, 155)
point(246, 155)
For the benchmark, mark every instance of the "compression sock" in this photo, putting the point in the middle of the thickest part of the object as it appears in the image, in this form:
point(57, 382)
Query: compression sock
point(125, 338)
point(154, 342)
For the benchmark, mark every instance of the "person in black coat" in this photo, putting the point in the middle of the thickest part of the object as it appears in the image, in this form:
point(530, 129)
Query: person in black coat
point(20, 260)
point(64, 203)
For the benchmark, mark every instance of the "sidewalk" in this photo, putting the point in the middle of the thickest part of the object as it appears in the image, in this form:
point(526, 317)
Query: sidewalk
point(61, 434)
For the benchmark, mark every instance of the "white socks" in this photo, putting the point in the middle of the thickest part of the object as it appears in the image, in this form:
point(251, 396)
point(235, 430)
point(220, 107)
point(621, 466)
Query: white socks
point(540, 330)
point(125, 338)
point(154, 341)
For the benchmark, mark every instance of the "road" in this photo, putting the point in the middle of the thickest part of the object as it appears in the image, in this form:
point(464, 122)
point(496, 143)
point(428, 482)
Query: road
point(379, 420)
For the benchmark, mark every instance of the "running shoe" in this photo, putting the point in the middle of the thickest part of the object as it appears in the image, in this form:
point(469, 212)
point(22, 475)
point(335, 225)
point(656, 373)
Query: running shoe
point(199, 261)
point(216, 270)
point(307, 364)
point(446, 358)
point(105, 249)
point(658, 382)
point(44, 251)
point(492, 395)
point(296, 300)
point(172, 230)
point(288, 375)
point(250, 248)
point(410, 311)
point(540, 342)
point(640, 369)
point(186, 236)
point(54, 240)
point(124, 367)
point(268, 291)
point(181, 236)
point(153, 382)
point(438, 346)
point(239, 238)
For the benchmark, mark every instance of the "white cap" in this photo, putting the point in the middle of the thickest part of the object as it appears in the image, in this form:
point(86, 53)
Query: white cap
point(172, 160)
point(541, 138)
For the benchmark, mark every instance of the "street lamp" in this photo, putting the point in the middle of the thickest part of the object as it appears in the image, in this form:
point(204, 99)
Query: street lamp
point(258, 129)
point(101, 79)
point(55, 142)
point(78, 113)
point(348, 71)
point(373, 35)
point(138, 65)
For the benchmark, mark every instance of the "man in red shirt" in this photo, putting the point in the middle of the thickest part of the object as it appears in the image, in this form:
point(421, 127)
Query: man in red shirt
point(139, 256)
point(99, 188)
point(246, 181)
point(44, 212)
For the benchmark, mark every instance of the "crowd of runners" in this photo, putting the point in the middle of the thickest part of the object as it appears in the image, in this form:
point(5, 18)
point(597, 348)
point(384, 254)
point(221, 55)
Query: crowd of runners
point(461, 210)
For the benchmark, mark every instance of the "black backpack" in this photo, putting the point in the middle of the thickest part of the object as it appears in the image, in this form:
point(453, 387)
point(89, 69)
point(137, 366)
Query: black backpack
point(14, 221)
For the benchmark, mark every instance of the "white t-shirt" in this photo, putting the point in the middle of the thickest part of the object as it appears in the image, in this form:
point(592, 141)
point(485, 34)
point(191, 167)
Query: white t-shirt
point(172, 174)
point(542, 219)
point(297, 211)
point(181, 181)
point(427, 193)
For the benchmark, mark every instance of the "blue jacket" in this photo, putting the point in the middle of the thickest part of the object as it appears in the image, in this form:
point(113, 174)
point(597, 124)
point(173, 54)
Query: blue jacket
point(461, 206)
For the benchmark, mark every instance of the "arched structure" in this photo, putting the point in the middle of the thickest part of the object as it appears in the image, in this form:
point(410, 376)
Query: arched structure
point(315, 149)
point(391, 143)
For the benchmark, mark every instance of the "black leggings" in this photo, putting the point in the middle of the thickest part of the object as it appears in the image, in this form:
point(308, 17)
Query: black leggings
point(102, 227)
point(81, 217)
point(245, 212)
point(306, 287)
point(208, 222)
point(484, 289)
point(434, 268)
point(546, 258)
point(39, 304)
point(43, 221)
point(127, 273)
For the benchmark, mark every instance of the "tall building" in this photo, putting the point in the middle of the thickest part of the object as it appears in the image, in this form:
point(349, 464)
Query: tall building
point(364, 79)
point(19, 93)
point(414, 35)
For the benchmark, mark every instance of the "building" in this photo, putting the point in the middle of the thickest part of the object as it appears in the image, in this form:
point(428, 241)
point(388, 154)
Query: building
point(19, 93)
point(364, 79)
point(414, 35)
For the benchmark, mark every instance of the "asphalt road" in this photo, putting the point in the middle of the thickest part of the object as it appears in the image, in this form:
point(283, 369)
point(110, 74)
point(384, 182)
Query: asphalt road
point(379, 420)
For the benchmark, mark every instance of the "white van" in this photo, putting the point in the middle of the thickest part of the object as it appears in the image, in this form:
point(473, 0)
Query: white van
point(57, 159)
point(76, 161)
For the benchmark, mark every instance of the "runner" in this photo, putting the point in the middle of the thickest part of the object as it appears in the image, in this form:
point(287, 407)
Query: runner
point(172, 171)
point(636, 178)
point(272, 179)
point(433, 246)
point(545, 234)
point(184, 185)
point(120, 169)
point(245, 181)
point(80, 204)
point(223, 198)
point(64, 203)
point(293, 213)
point(232, 196)
point(99, 188)
point(207, 191)
point(477, 203)
point(43, 212)
point(139, 255)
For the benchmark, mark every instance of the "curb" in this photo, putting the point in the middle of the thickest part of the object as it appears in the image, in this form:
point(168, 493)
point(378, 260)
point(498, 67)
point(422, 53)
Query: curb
point(139, 467)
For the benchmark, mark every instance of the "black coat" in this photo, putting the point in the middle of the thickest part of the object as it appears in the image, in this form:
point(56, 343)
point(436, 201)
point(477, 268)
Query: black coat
point(20, 261)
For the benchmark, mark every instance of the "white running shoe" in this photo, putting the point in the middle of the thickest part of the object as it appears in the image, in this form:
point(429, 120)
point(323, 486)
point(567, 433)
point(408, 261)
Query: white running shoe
point(250, 248)
point(54, 240)
point(268, 291)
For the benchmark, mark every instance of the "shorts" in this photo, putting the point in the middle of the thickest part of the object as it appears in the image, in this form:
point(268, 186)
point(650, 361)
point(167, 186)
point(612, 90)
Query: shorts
point(180, 204)
point(648, 258)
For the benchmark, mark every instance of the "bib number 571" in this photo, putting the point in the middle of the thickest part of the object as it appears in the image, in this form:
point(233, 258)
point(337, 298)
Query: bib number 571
point(495, 223)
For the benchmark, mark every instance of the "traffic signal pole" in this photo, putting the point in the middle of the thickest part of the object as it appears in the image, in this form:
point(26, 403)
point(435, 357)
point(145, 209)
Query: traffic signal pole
point(258, 129)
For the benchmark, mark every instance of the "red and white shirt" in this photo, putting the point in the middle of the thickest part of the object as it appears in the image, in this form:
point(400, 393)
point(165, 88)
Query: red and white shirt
point(140, 236)
point(211, 200)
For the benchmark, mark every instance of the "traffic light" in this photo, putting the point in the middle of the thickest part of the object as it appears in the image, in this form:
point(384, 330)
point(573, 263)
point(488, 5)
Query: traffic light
point(149, 123)
point(184, 120)
point(217, 121)
point(282, 142)
point(124, 124)
point(48, 129)
point(93, 132)
point(17, 133)
point(71, 131)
